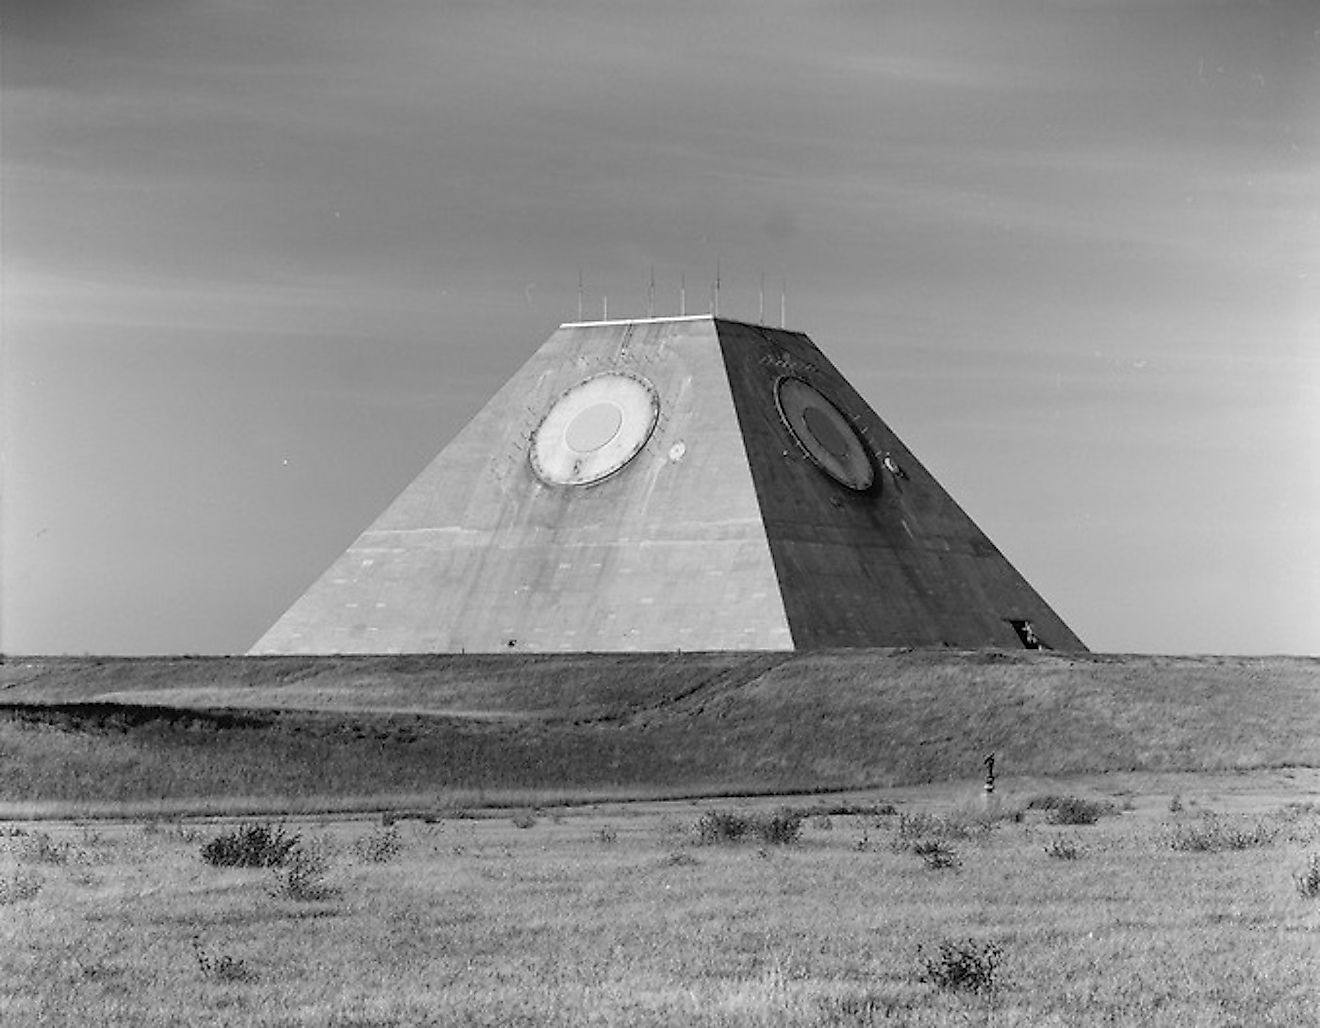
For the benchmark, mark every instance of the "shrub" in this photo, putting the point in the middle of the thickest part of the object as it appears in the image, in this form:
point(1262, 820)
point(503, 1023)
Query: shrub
point(1212, 833)
point(920, 825)
point(854, 809)
point(680, 859)
point(302, 877)
point(1078, 812)
point(250, 845)
point(1070, 810)
point(378, 847)
point(40, 848)
point(964, 965)
point(19, 886)
point(936, 854)
point(606, 835)
point(1301, 822)
point(780, 828)
point(222, 968)
point(716, 826)
point(866, 1008)
point(1308, 882)
point(524, 819)
point(958, 824)
point(1062, 849)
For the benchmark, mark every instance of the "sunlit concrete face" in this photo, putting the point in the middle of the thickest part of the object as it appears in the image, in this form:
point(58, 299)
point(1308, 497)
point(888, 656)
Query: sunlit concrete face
point(681, 483)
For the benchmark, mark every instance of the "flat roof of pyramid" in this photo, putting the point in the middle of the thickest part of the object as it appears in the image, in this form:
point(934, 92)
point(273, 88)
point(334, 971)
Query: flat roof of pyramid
point(675, 318)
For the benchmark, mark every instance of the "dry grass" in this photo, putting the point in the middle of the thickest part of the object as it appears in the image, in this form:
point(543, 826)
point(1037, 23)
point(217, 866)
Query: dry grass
point(476, 921)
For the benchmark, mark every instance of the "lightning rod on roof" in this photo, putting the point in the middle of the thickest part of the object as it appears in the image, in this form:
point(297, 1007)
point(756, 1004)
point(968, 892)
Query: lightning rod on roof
point(579, 292)
point(783, 302)
point(760, 305)
point(650, 295)
point(715, 296)
point(682, 295)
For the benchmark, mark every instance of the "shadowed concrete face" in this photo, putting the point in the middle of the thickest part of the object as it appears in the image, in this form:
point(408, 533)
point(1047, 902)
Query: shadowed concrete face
point(683, 483)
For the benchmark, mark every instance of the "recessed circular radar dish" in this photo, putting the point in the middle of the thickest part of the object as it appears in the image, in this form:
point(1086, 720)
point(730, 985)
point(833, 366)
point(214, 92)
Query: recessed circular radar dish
point(594, 429)
point(824, 433)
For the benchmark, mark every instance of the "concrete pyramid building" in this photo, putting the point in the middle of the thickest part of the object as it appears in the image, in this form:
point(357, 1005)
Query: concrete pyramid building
point(670, 484)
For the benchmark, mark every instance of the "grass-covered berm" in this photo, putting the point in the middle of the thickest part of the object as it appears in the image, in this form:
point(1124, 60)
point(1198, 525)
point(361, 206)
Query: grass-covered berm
point(1180, 900)
point(89, 735)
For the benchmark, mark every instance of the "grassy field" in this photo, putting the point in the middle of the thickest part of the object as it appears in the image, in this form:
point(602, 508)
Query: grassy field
point(1180, 905)
point(898, 897)
point(80, 736)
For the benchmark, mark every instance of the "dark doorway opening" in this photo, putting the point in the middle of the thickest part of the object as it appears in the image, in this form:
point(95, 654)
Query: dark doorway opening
point(1026, 634)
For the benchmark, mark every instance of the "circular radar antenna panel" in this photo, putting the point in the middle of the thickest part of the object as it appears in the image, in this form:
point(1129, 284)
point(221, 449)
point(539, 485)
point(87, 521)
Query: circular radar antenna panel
point(824, 433)
point(594, 429)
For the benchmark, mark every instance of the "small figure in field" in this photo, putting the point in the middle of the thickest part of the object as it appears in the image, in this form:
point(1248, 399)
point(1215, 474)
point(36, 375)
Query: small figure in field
point(989, 773)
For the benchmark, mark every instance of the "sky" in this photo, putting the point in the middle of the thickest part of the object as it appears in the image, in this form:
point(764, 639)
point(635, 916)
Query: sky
point(260, 261)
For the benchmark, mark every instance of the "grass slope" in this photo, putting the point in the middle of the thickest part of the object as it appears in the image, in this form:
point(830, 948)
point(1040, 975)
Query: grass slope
point(330, 731)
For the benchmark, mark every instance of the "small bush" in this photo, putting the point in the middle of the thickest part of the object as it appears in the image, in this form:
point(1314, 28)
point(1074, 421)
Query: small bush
point(1211, 834)
point(780, 828)
point(606, 835)
point(1062, 849)
point(1300, 822)
point(854, 809)
point(920, 825)
point(223, 967)
point(19, 886)
point(867, 1008)
point(40, 848)
point(936, 854)
point(964, 965)
point(524, 819)
point(250, 845)
point(958, 824)
point(302, 876)
point(1070, 810)
point(1308, 882)
point(378, 847)
point(718, 826)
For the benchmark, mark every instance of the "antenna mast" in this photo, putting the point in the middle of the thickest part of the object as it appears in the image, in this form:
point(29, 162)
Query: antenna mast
point(715, 298)
point(650, 295)
point(579, 292)
point(682, 294)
